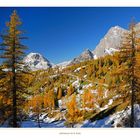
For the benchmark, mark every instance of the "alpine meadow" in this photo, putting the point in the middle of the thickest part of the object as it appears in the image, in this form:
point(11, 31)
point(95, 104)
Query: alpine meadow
point(98, 88)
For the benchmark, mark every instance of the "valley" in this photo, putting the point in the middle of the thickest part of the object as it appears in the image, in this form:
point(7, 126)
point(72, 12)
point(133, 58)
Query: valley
point(97, 88)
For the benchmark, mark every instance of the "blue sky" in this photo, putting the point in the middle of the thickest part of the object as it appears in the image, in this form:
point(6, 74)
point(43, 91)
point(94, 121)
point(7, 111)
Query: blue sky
point(62, 33)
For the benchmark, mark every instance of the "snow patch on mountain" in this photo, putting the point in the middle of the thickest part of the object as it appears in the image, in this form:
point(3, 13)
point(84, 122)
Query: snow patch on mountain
point(36, 61)
point(63, 64)
point(110, 42)
point(110, 51)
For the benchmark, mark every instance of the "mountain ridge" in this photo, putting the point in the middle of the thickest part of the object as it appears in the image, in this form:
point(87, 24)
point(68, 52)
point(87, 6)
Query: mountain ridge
point(107, 45)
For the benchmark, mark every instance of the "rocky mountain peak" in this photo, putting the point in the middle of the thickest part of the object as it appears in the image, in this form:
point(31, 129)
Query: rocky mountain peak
point(111, 41)
point(86, 55)
point(36, 61)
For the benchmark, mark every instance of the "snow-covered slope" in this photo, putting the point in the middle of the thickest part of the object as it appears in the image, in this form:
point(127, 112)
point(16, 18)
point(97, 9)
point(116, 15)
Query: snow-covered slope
point(119, 119)
point(36, 61)
point(63, 64)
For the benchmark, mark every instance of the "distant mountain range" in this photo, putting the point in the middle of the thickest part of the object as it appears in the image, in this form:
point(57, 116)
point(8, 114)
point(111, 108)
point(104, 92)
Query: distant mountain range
point(107, 45)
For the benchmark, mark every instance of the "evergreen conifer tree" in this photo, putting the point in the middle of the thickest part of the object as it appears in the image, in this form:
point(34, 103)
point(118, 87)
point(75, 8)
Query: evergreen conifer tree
point(13, 76)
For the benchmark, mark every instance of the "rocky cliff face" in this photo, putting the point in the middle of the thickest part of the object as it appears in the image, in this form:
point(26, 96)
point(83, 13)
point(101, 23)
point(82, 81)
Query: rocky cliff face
point(86, 55)
point(110, 42)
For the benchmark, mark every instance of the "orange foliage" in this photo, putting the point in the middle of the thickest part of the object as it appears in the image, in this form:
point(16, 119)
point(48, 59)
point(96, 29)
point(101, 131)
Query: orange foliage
point(74, 115)
point(87, 100)
point(49, 100)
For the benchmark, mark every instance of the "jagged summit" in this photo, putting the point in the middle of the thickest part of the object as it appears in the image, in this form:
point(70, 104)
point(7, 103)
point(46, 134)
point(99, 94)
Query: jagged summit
point(35, 61)
point(86, 55)
point(111, 41)
point(107, 45)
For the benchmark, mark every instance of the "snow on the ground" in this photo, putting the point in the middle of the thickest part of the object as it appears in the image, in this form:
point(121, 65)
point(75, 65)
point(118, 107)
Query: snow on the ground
point(49, 120)
point(124, 116)
point(96, 124)
point(44, 120)
point(76, 83)
point(78, 98)
point(88, 85)
point(87, 109)
point(5, 124)
point(94, 91)
point(53, 76)
point(85, 76)
point(116, 96)
point(103, 108)
point(116, 120)
point(33, 124)
point(110, 102)
point(78, 69)
point(29, 124)
point(60, 103)
point(106, 94)
point(97, 106)
point(119, 119)
point(80, 91)
point(42, 116)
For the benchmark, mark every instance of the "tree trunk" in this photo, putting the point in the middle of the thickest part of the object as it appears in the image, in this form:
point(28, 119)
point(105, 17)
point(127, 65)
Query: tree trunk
point(14, 87)
point(132, 84)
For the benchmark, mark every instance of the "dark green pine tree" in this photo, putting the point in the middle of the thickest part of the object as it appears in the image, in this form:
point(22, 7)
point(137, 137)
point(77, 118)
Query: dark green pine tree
point(14, 79)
